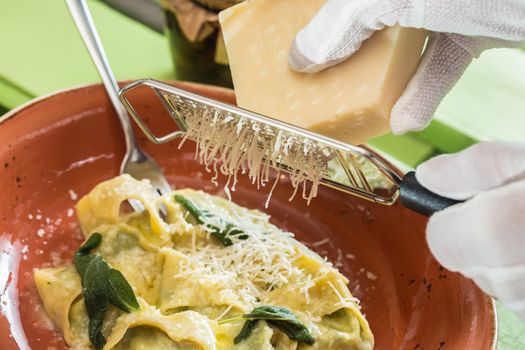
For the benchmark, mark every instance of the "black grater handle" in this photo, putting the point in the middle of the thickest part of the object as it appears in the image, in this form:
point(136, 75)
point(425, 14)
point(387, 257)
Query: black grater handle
point(419, 199)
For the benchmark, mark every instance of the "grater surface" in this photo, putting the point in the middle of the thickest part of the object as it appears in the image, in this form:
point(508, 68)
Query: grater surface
point(256, 143)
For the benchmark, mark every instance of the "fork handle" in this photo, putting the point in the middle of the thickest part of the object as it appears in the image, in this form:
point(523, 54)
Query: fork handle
point(417, 198)
point(84, 23)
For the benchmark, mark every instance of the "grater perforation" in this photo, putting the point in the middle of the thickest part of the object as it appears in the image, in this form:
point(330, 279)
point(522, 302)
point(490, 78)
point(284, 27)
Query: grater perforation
point(348, 168)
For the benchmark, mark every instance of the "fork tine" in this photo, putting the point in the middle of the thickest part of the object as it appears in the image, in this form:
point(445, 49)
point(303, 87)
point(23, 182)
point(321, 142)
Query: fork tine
point(135, 163)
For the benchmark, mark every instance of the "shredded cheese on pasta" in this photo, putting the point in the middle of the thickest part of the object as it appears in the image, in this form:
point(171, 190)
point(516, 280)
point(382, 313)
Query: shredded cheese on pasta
point(253, 266)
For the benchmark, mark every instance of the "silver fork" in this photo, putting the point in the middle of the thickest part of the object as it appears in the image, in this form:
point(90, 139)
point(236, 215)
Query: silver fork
point(136, 162)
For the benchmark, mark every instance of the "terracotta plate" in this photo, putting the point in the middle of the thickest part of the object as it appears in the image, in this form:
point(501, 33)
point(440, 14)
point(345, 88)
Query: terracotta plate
point(55, 149)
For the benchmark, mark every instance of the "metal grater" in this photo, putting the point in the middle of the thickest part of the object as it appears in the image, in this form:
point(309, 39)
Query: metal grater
point(352, 169)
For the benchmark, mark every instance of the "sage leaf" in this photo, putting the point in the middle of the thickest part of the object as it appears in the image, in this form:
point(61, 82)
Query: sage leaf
point(101, 286)
point(268, 312)
point(245, 332)
point(120, 292)
point(200, 214)
point(192, 208)
point(294, 330)
point(82, 262)
point(82, 255)
point(96, 269)
point(95, 330)
point(93, 242)
point(280, 318)
point(96, 299)
point(94, 286)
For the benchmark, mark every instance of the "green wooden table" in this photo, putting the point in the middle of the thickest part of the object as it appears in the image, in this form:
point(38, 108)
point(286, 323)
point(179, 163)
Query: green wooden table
point(41, 53)
point(488, 103)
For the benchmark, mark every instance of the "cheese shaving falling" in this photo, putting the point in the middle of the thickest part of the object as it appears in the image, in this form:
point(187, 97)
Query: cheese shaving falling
point(228, 144)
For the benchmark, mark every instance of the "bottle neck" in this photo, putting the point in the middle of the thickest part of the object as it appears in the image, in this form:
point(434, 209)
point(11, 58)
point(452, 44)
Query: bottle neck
point(216, 5)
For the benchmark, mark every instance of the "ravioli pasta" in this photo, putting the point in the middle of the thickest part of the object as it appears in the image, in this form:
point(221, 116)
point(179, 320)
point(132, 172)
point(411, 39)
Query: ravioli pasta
point(186, 281)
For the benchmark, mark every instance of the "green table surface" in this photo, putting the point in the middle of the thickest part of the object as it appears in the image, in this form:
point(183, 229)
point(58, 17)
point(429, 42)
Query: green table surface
point(488, 103)
point(41, 53)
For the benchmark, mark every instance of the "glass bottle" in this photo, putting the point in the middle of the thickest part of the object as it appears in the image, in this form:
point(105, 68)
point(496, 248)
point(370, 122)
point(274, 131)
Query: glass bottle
point(196, 42)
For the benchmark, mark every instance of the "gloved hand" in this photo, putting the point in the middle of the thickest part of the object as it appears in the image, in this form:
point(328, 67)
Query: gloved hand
point(484, 237)
point(462, 30)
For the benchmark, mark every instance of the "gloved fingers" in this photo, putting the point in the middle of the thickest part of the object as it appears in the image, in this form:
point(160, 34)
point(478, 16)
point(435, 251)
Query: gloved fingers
point(338, 30)
point(507, 284)
point(479, 168)
point(476, 45)
point(440, 68)
point(504, 283)
point(340, 27)
point(485, 232)
point(502, 19)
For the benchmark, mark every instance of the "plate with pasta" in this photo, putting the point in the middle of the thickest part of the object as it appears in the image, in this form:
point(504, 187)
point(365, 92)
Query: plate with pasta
point(203, 267)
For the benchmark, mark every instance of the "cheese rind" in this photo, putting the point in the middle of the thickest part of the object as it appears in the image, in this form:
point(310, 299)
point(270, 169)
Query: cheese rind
point(350, 102)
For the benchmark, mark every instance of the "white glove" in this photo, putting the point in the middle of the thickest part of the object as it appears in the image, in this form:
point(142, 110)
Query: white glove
point(462, 30)
point(484, 237)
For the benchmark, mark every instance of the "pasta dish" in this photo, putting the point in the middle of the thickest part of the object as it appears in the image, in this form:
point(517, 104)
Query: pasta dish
point(194, 271)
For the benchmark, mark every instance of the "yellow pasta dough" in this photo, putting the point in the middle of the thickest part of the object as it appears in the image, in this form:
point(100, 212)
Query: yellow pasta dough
point(188, 279)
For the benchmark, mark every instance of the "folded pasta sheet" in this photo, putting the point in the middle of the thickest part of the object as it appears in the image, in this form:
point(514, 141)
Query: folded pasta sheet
point(208, 274)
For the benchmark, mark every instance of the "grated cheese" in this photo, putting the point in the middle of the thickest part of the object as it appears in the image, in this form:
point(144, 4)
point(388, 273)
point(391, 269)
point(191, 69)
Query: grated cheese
point(306, 287)
point(371, 276)
point(228, 145)
point(253, 266)
point(73, 195)
point(224, 313)
point(339, 260)
point(343, 302)
point(320, 243)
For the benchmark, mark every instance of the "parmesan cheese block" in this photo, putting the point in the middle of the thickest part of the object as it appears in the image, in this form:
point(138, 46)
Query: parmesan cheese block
point(350, 102)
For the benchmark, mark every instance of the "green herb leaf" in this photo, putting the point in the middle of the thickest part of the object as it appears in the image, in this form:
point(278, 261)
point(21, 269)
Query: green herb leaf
point(96, 298)
point(268, 312)
point(101, 286)
point(245, 332)
point(82, 262)
point(94, 286)
point(189, 206)
point(200, 214)
point(278, 317)
point(95, 330)
point(93, 242)
point(82, 255)
point(294, 330)
point(120, 292)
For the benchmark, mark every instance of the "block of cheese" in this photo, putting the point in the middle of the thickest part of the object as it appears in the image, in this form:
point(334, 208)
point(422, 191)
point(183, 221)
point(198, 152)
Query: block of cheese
point(350, 102)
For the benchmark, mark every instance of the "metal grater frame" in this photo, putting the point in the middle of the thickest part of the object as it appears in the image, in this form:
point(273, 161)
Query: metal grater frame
point(352, 159)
